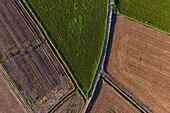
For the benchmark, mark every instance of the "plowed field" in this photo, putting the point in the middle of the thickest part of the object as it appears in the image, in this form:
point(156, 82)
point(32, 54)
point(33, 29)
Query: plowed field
point(73, 104)
point(28, 59)
point(8, 101)
point(109, 101)
point(139, 60)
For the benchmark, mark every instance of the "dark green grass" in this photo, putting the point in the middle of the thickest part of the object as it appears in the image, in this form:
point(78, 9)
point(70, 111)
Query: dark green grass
point(155, 13)
point(77, 29)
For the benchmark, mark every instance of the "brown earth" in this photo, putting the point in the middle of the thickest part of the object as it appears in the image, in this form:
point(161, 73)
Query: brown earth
point(109, 101)
point(139, 61)
point(73, 104)
point(9, 103)
point(28, 59)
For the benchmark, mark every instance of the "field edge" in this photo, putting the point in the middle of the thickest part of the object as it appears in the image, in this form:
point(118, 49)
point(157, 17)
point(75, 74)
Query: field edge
point(85, 93)
point(116, 8)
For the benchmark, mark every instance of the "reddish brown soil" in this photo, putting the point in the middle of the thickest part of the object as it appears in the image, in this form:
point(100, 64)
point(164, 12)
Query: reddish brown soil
point(110, 101)
point(148, 79)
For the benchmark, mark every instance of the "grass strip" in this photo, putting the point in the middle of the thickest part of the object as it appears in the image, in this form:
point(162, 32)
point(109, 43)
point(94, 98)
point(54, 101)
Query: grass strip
point(77, 29)
point(154, 13)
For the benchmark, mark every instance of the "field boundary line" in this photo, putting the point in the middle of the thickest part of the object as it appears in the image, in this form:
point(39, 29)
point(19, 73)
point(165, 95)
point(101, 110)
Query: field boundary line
point(64, 99)
point(140, 21)
point(53, 50)
point(17, 93)
point(54, 107)
point(51, 46)
point(45, 36)
point(103, 55)
point(123, 93)
point(105, 82)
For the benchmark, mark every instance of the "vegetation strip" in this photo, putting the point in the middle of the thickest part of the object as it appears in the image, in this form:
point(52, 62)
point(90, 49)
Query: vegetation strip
point(150, 12)
point(124, 95)
point(58, 57)
point(64, 98)
point(102, 59)
point(61, 101)
point(50, 44)
point(18, 40)
point(52, 110)
point(100, 67)
point(78, 36)
point(19, 95)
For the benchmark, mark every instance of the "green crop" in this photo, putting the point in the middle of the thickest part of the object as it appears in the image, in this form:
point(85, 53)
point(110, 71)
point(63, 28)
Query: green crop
point(154, 13)
point(77, 29)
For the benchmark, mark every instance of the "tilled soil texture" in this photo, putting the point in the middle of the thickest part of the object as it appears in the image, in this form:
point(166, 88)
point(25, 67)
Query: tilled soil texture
point(73, 104)
point(28, 59)
point(109, 101)
point(139, 60)
point(8, 101)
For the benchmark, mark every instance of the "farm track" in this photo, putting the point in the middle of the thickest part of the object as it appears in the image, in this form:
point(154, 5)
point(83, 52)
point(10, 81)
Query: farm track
point(109, 100)
point(75, 100)
point(120, 90)
point(40, 45)
point(48, 41)
point(30, 13)
point(22, 6)
point(117, 87)
point(146, 81)
point(102, 59)
point(28, 58)
point(133, 49)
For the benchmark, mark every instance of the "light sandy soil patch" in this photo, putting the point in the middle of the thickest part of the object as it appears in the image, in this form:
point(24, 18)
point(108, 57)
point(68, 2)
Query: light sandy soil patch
point(73, 104)
point(9, 103)
point(139, 61)
point(109, 101)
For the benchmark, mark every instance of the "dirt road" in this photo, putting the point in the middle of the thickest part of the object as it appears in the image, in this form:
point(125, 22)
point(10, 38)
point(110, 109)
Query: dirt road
point(139, 60)
point(28, 59)
point(110, 101)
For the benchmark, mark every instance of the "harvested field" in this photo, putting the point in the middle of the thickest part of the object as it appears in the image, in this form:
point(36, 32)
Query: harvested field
point(9, 103)
point(139, 60)
point(109, 101)
point(73, 104)
point(28, 59)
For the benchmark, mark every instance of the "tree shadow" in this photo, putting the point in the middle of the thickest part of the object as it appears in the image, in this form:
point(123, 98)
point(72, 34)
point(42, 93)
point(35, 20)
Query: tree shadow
point(99, 85)
point(113, 22)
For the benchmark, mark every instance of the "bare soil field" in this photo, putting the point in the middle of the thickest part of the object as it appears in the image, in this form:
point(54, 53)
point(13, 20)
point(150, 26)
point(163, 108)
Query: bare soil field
point(9, 103)
point(28, 59)
point(139, 60)
point(109, 101)
point(73, 104)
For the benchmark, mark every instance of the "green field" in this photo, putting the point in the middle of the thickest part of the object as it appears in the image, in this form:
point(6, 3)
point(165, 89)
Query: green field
point(155, 13)
point(77, 29)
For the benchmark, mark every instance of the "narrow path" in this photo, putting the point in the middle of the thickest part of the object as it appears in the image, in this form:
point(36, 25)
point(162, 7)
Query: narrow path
point(29, 15)
point(102, 60)
point(100, 68)
point(129, 98)
point(105, 77)
point(60, 102)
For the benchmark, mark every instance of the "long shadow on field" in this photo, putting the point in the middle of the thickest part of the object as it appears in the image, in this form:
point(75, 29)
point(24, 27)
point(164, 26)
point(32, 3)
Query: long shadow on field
point(96, 93)
point(99, 85)
point(112, 29)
